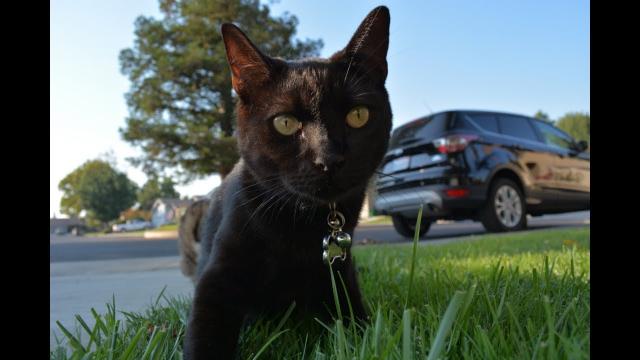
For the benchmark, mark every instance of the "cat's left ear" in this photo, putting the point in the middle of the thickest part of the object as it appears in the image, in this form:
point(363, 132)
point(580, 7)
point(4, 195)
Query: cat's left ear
point(370, 42)
point(249, 67)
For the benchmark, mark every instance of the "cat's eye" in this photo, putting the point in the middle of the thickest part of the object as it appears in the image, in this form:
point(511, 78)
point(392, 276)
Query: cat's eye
point(286, 124)
point(358, 116)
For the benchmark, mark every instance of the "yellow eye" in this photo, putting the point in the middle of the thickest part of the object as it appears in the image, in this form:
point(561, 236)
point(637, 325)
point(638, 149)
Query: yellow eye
point(358, 116)
point(286, 124)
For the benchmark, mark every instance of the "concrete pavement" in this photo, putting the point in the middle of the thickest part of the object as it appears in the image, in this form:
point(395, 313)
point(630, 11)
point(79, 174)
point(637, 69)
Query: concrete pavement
point(76, 287)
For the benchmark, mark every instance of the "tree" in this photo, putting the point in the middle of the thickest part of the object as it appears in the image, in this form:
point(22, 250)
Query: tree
point(168, 190)
point(70, 203)
point(154, 189)
point(97, 188)
point(181, 107)
point(131, 214)
point(576, 124)
point(543, 116)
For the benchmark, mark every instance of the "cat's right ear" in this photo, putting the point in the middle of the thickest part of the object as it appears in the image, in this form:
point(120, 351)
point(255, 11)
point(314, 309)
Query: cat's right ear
point(249, 67)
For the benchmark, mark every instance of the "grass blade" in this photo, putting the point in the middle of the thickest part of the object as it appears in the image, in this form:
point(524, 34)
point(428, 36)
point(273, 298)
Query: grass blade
point(134, 342)
point(407, 353)
point(445, 325)
point(73, 341)
point(376, 332)
point(266, 345)
point(416, 236)
point(86, 328)
point(286, 316)
point(114, 336)
point(335, 292)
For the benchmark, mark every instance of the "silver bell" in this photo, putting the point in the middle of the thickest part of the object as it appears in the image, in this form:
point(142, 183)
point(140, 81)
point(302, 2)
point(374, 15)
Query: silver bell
point(325, 257)
point(326, 241)
point(343, 239)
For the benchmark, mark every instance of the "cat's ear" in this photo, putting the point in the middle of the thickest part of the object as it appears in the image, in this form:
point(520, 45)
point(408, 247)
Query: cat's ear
point(249, 67)
point(370, 42)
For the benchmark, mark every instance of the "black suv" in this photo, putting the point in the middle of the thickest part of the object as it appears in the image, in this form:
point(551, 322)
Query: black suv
point(487, 166)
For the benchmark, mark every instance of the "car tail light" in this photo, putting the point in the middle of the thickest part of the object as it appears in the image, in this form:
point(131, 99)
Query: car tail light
point(457, 193)
point(453, 143)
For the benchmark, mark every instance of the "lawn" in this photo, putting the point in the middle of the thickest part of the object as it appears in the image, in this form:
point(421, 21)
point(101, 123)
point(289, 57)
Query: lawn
point(377, 220)
point(166, 227)
point(515, 296)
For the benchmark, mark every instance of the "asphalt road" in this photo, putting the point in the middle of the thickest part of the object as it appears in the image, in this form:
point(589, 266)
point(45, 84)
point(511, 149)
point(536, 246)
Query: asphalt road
point(68, 248)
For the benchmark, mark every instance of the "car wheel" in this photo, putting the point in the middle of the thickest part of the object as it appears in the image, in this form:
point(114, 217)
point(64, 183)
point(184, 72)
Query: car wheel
point(505, 209)
point(407, 227)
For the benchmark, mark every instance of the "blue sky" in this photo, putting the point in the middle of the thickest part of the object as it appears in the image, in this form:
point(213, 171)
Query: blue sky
point(518, 56)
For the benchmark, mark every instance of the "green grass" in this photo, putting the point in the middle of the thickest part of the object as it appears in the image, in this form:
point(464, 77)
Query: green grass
point(93, 234)
point(515, 296)
point(167, 227)
point(378, 220)
point(118, 234)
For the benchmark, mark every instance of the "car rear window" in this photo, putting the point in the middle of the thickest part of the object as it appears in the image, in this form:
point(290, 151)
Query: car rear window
point(422, 129)
point(517, 126)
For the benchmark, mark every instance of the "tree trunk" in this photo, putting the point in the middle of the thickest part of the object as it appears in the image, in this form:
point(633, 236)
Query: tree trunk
point(226, 125)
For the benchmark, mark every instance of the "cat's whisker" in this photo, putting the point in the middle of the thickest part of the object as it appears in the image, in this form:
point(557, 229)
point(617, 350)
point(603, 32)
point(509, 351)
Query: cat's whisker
point(262, 182)
point(265, 191)
point(257, 210)
point(272, 204)
point(284, 195)
point(295, 209)
point(286, 201)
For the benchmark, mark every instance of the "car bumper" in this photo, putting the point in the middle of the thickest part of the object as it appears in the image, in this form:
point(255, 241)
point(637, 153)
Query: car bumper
point(405, 192)
point(409, 200)
point(434, 199)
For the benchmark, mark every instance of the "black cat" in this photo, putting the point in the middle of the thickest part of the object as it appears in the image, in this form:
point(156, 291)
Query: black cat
point(311, 134)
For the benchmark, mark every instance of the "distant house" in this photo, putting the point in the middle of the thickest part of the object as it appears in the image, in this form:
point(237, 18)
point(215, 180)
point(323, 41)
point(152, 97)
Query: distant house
point(168, 211)
point(370, 197)
point(66, 226)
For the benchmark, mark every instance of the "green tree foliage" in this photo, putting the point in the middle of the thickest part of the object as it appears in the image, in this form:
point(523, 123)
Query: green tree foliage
point(97, 188)
point(181, 107)
point(576, 124)
point(154, 189)
point(543, 116)
point(131, 214)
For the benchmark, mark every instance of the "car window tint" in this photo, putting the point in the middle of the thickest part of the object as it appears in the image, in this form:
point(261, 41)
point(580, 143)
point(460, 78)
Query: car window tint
point(487, 122)
point(517, 126)
point(553, 136)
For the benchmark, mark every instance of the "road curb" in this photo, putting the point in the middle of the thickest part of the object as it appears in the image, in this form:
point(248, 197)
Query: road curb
point(165, 234)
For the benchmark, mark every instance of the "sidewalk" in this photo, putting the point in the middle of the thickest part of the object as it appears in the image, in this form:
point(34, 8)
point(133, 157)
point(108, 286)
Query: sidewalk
point(76, 287)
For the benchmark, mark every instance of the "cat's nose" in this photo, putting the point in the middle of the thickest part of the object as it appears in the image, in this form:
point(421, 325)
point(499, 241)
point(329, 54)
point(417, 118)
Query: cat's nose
point(331, 162)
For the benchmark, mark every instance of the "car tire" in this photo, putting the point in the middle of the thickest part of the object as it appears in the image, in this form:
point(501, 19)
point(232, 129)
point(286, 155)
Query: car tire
point(505, 208)
point(407, 227)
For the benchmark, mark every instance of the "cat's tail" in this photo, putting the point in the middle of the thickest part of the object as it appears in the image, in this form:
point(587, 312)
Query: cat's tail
point(189, 239)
